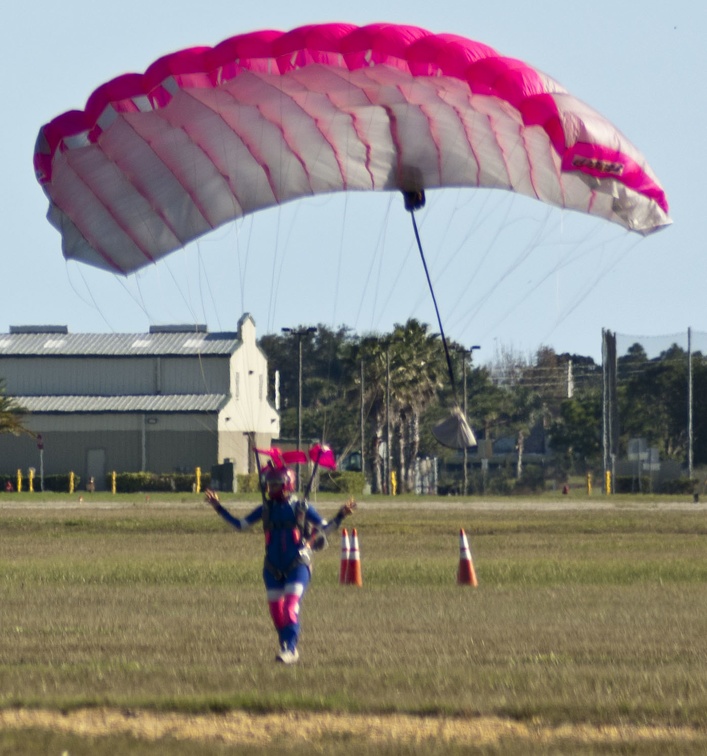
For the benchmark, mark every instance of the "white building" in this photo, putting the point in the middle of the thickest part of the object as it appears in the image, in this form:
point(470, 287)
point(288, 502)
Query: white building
point(170, 400)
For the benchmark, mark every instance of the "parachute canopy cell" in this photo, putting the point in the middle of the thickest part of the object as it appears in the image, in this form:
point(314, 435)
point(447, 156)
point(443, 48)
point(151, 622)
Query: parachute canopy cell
point(207, 135)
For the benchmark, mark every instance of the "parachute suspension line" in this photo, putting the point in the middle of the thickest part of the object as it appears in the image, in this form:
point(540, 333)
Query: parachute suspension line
point(90, 294)
point(204, 281)
point(538, 238)
point(414, 201)
point(379, 247)
point(592, 284)
point(273, 272)
point(331, 356)
point(281, 246)
point(186, 297)
point(478, 220)
point(241, 255)
point(563, 262)
point(337, 283)
point(475, 228)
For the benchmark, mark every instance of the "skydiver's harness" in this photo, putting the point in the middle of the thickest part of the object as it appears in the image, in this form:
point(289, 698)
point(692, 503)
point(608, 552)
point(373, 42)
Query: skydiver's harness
point(306, 531)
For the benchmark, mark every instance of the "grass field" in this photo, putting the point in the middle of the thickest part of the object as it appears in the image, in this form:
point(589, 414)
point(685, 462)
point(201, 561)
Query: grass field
point(131, 626)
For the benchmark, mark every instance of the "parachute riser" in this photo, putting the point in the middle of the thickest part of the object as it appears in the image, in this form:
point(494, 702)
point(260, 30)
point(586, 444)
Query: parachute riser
point(308, 487)
point(261, 482)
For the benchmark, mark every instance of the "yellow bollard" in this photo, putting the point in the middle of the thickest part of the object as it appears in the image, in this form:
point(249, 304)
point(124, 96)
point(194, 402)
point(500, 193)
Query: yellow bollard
point(589, 484)
point(72, 482)
point(607, 483)
point(393, 483)
point(30, 487)
point(197, 484)
point(19, 481)
point(113, 482)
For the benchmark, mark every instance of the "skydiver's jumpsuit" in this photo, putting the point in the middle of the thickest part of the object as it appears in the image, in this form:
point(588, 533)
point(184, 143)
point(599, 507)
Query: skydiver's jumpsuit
point(287, 569)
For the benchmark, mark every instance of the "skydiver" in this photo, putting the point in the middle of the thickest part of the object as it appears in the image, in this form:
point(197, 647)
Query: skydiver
point(293, 530)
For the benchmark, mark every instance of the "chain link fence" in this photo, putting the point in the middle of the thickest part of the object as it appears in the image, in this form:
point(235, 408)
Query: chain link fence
point(655, 411)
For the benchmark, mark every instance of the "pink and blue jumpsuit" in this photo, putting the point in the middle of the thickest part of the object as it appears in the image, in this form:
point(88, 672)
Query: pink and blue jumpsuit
point(287, 570)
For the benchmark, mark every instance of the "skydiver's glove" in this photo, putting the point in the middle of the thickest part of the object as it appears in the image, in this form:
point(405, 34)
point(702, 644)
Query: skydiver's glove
point(211, 497)
point(347, 509)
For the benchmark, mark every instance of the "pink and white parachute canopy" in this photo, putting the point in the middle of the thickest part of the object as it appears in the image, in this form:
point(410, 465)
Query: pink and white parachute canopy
point(207, 135)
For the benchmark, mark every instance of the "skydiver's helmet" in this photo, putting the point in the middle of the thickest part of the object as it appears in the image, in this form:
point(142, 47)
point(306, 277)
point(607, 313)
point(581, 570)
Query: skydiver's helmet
point(279, 482)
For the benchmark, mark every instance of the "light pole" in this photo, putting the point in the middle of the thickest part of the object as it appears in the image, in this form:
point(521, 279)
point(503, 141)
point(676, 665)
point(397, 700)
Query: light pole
point(387, 422)
point(40, 446)
point(299, 333)
point(466, 352)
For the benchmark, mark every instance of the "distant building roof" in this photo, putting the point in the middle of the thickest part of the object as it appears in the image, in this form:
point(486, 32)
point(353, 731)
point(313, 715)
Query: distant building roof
point(167, 341)
point(131, 403)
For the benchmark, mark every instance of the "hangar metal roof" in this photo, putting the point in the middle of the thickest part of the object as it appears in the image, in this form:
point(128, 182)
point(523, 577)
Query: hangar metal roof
point(132, 403)
point(168, 341)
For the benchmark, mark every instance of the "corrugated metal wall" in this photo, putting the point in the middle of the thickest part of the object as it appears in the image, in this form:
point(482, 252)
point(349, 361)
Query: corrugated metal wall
point(170, 444)
point(70, 376)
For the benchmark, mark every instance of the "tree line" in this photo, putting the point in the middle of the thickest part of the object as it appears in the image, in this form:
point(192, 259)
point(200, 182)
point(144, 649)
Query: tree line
point(359, 391)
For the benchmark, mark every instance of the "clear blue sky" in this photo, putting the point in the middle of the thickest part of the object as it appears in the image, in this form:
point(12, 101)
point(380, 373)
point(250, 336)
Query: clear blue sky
point(508, 273)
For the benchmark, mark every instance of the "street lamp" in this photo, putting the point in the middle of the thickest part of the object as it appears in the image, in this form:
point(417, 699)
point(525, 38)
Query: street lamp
point(466, 352)
point(299, 333)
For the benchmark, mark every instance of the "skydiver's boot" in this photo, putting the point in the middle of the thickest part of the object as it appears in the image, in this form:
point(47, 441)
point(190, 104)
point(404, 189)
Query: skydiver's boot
point(287, 655)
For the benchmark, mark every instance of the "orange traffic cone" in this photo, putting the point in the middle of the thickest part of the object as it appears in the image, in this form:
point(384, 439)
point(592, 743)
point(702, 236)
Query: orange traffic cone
point(466, 574)
point(345, 548)
point(353, 572)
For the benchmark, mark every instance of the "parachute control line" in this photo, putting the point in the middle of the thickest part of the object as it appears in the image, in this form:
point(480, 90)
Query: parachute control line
point(455, 431)
point(466, 574)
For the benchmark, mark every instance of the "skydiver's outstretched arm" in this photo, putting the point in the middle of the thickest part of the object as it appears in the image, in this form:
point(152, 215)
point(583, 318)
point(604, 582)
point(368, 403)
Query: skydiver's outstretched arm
point(345, 511)
point(324, 528)
point(211, 497)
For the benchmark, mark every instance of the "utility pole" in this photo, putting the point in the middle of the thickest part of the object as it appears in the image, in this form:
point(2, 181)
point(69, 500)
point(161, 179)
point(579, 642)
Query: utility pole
point(464, 353)
point(689, 404)
point(299, 333)
point(363, 428)
point(40, 446)
point(387, 422)
point(610, 423)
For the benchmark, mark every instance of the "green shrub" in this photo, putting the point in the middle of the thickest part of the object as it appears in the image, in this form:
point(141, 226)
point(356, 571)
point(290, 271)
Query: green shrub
point(55, 483)
point(146, 482)
point(532, 480)
point(185, 482)
point(500, 485)
point(679, 486)
point(342, 482)
point(59, 483)
point(247, 483)
point(132, 482)
point(631, 484)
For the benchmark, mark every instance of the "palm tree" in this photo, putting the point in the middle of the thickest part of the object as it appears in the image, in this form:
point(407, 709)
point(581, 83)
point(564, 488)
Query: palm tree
point(412, 360)
point(371, 353)
point(418, 374)
point(11, 414)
